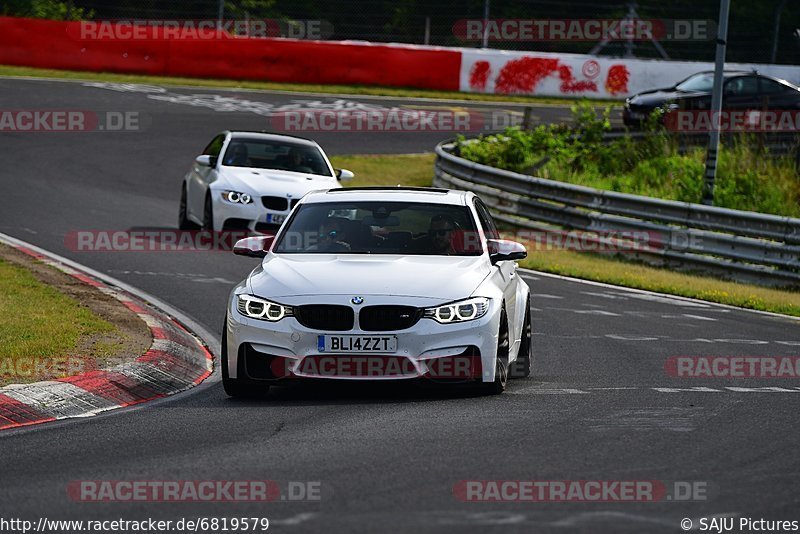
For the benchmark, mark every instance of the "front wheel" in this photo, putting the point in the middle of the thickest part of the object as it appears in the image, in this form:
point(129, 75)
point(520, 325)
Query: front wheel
point(521, 368)
point(208, 215)
point(501, 361)
point(235, 387)
point(183, 214)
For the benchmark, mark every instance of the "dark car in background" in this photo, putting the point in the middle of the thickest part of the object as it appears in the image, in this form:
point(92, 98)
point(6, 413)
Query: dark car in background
point(741, 90)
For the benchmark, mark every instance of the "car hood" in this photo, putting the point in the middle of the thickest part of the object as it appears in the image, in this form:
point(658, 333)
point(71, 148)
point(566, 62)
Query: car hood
point(657, 97)
point(436, 277)
point(268, 181)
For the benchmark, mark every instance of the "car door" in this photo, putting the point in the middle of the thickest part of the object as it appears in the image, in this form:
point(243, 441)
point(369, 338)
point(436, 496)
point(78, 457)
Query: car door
point(741, 92)
point(506, 275)
point(200, 176)
point(777, 95)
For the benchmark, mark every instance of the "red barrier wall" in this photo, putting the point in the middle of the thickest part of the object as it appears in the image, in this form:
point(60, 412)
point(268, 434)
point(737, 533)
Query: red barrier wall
point(58, 45)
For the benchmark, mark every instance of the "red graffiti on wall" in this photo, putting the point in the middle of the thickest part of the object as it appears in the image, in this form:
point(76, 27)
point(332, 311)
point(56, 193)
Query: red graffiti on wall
point(570, 85)
point(524, 74)
point(617, 80)
point(479, 75)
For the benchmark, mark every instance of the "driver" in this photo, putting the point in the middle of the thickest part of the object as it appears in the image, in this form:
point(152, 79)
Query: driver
point(297, 162)
point(439, 239)
point(237, 155)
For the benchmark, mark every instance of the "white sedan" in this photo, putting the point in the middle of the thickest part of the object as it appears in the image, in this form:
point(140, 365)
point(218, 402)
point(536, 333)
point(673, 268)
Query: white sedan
point(252, 180)
point(380, 284)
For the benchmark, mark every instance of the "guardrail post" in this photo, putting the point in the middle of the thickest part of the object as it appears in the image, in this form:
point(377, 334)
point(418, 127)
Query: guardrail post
point(527, 119)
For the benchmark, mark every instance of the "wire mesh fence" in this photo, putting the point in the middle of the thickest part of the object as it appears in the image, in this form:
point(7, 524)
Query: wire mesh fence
point(760, 32)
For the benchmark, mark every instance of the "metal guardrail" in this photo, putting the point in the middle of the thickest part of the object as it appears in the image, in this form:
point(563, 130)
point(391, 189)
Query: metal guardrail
point(741, 245)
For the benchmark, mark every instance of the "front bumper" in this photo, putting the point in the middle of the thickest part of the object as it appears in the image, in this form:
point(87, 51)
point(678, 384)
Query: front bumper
point(253, 217)
point(286, 350)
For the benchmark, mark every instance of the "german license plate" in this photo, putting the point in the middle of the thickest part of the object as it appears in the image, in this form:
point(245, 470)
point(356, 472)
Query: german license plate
point(275, 219)
point(373, 344)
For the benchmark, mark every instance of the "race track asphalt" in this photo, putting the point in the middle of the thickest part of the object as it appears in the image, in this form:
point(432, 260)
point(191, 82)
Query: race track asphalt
point(600, 405)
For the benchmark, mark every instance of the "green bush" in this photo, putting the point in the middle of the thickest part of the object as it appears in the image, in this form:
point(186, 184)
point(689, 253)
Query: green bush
point(747, 178)
point(44, 9)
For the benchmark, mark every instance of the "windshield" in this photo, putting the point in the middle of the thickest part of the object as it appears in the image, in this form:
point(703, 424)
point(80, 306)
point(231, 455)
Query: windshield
point(381, 228)
point(698, 82)
point(278, 155)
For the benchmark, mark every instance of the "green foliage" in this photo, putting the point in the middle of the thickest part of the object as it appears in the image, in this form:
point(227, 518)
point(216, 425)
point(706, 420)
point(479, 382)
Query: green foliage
point(651, 165)
point(251, 8)
point(45, 9)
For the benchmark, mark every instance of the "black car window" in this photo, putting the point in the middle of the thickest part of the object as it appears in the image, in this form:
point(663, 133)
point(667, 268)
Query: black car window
point(742, 85)
point(771, 86)
point(275, 154)
point(698, 82)
point(214, 146)
point(485, 218)
point(380, 227)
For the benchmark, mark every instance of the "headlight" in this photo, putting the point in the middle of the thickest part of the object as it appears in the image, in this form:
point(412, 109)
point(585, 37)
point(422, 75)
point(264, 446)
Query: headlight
point(257, 308)
point(235, 197)
point(458, 312)
point(672, 106)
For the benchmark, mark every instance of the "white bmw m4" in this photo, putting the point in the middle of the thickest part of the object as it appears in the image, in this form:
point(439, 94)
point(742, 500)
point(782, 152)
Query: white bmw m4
point(252, 180)
point(380, 284)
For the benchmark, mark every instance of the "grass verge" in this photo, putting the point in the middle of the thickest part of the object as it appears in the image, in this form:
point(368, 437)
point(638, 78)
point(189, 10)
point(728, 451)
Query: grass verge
point(402, 169)
point(417, 170)
point(52, 325)
point(38, 322)
point(9, 70)
point(623, 273)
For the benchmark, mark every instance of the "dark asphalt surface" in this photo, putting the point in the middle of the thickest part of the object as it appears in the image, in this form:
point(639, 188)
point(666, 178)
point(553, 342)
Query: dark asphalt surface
point(600, 405)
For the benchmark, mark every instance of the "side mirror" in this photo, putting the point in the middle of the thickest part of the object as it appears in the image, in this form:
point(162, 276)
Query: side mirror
point(504, 250)
point(206, 160)
point(254, 247)
point(343, 175)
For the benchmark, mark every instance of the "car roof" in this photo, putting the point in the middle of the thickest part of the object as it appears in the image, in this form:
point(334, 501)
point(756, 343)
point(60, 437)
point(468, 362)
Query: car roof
point(426, 195)
point(238, 134)
point(733, 73)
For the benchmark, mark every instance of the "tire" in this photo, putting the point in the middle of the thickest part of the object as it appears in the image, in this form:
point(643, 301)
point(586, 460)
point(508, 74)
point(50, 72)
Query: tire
point(183, 218)
point(521, 368)
point(501, 366)
point(208, 215)
point(235, 387)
